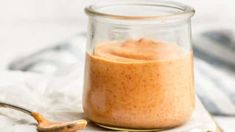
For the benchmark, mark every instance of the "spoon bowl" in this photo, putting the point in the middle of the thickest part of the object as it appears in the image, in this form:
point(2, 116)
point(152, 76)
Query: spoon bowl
point(72, 126)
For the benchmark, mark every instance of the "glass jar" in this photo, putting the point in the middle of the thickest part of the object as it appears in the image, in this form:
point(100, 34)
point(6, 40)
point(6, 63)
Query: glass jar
point(139, 65)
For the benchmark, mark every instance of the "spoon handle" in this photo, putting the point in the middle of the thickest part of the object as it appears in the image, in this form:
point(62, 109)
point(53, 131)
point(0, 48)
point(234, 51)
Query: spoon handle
point(18, 108)
point(38, 117)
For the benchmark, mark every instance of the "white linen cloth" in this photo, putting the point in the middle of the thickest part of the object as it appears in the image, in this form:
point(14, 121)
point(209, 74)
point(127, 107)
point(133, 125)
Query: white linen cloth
point(58, 97)
point(214, 83)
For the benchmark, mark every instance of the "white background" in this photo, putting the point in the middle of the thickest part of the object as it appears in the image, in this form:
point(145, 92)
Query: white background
point(29, 25)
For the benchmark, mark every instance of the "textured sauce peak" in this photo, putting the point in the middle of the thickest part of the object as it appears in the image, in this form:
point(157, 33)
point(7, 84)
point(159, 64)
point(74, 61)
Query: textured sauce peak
point(136, 50)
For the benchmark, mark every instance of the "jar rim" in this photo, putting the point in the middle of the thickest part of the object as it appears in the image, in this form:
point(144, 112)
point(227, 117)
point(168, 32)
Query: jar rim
point(183, 10)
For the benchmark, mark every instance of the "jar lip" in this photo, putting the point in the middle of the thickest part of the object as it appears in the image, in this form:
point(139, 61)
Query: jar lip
point(185, 11)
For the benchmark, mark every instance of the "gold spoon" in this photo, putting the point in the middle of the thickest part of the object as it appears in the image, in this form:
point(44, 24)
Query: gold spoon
point(45, 125)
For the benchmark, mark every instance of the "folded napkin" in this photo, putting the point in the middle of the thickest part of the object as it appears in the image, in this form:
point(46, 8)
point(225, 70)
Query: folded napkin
point(214, 66)
point(215, 70)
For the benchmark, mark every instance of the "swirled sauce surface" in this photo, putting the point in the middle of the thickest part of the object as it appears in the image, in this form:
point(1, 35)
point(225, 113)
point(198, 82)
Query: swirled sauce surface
point(138, 50)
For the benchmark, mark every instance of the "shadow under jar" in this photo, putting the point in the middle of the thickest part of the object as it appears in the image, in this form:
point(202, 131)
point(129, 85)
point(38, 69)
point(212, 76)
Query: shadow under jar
point(139, 65)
